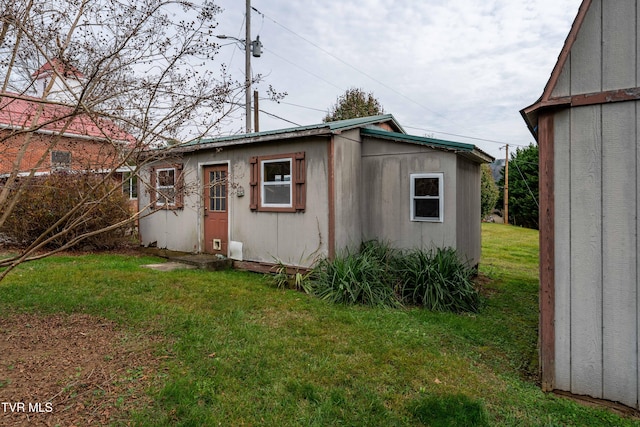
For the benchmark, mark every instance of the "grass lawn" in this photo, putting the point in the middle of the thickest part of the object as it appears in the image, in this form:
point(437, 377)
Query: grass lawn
point(237, 351)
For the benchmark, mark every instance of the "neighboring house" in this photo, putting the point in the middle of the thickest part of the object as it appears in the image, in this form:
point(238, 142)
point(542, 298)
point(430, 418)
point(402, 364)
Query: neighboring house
point(587, 124)
point(45, 135)
point(294, 195)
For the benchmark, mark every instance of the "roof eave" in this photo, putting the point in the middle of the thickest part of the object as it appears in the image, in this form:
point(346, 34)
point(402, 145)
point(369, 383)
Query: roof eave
point(530, 114)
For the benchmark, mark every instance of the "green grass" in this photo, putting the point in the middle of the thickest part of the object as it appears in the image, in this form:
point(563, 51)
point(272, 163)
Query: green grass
point(239, 351)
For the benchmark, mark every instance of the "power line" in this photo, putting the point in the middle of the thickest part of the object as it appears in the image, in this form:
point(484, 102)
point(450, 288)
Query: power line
point(354, 67)
point(279, 118)
point(465, 136)
point(304, 69)
point(527, 184)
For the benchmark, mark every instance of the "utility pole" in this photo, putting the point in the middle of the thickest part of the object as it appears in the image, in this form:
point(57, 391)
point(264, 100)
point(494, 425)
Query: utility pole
point(506, 186)
point(256, 111)
point(247, 66)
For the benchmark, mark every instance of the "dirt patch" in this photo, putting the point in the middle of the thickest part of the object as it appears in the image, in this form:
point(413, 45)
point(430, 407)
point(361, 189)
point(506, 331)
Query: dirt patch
point(71, 370)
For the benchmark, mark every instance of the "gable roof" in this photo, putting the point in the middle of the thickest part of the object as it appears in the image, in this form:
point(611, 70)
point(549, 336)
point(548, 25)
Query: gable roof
point(18, 112)
point(57, 66)
point(550, 101)
point(329, 128)
point(382, 126)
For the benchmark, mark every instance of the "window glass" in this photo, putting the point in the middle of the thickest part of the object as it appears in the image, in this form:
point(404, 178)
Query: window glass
point(427, 187)
point(61, 160)
point(426, 197)
point(130, 185)
point(165, 185)
point(217, 191)
point(276, 183)
point(277, 171)
point(427, 208)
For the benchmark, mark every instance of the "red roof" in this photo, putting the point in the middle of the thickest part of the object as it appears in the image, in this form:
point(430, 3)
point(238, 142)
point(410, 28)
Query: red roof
point(19, 112)
point(60, 67)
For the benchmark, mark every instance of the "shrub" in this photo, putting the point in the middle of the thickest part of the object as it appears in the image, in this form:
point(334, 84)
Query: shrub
point(364, 277)
point(379, 275)
point(48, 198)
point(286, 277)
point(437, 280)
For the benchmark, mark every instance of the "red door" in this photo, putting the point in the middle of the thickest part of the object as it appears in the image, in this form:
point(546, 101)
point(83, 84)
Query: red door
point(216, 218)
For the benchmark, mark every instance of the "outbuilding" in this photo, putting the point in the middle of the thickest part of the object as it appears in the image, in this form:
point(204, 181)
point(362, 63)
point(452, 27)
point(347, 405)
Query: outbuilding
point(587, 124)
point(295, 195)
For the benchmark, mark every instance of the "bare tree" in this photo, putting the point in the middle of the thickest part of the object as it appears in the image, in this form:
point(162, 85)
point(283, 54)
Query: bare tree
point(142, 72)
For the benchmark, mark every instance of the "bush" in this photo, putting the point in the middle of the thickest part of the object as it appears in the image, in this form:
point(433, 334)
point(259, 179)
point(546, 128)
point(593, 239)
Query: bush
point(365, 277)
point(48, 198)
point(379, 275)
point(438, 281)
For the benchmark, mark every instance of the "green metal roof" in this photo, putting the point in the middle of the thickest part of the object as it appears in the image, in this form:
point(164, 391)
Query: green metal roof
point(468, 150)
point(402, 137)
point(367, 126)
point(320, 128)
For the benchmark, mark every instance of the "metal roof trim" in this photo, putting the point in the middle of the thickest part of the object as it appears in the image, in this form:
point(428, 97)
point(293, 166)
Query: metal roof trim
point(467, 150)
point(328, 128)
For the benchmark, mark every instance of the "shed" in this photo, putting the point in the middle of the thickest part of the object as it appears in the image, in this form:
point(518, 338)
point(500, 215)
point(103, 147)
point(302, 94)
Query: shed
point(587, 124)
point(294, 195)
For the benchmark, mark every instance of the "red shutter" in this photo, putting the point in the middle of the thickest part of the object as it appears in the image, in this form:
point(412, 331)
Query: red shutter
point(300, 182)
point(253, 183)
point(153, 196)
point(179, 186)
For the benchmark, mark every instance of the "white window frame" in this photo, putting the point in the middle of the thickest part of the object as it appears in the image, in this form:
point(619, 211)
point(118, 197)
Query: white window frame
point(130, 185)
point(440, 197)
point(264, 183)
point(159, 188)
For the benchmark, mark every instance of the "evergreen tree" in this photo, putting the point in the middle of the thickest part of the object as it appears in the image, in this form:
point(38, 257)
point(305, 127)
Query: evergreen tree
point(523, 187)
point(488, 191)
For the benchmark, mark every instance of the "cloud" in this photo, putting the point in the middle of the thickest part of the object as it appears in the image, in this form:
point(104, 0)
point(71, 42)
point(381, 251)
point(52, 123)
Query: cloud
point(457, 66)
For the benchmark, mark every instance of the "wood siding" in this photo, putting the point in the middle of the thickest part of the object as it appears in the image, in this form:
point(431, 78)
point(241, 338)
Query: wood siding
point(295, 238)
point(347, 174)
point(595, 219)
point(386, 168)
point(356, 190)
point(468, 212)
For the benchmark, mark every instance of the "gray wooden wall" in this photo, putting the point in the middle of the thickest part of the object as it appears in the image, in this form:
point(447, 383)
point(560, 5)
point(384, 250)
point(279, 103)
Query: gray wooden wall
point(596, 211)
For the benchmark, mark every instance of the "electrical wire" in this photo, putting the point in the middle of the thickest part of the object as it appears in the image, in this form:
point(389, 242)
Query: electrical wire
point(263, 15)
point(526, 183)
point(354, 67)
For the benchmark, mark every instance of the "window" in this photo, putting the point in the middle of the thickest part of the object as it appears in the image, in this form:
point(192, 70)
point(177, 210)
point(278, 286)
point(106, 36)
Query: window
point(166, 182)
point(275, 183)
point(278, 183)
point(61, 160)
point(427, 202)
point(130, 185)
point(218, 191)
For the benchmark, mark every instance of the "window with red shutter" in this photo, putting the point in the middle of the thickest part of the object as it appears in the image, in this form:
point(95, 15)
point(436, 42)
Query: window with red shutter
point(278, 183)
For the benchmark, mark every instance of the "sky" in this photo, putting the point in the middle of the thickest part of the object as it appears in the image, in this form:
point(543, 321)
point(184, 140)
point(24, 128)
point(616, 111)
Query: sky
point(458, 70)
